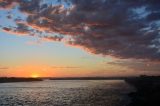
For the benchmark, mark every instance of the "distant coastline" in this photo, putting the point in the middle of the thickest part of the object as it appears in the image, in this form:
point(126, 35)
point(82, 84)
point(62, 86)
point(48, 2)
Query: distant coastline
point(88, 78)
point(22, 79)
point(13, 79)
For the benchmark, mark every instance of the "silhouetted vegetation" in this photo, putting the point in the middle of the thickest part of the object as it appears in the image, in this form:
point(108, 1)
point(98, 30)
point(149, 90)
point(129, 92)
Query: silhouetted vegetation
point(147, 91)
point(12, 79)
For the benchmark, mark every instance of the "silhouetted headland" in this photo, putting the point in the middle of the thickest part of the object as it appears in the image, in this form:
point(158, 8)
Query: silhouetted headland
point(13, 79)
point(147, 91)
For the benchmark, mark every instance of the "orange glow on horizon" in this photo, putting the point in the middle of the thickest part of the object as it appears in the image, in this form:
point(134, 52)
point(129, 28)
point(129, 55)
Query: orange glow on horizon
point(41, 70)
point(35, 76)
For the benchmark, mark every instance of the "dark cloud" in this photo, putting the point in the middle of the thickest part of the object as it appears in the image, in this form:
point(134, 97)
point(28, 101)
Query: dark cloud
point(20, 29)
point(121, 28)
point(9, 16)
point(7, 4)
point(136, 65)
point(6, 29)
point(53, 38)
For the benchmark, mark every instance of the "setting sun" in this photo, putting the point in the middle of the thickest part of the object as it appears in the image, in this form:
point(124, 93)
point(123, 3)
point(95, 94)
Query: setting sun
point(80, 52)
point(34, 75)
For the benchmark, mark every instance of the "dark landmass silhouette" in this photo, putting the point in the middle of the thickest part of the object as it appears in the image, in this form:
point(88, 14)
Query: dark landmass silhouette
point(147, 91)
point(14, 79)
point(22, 79)
point(88, 78)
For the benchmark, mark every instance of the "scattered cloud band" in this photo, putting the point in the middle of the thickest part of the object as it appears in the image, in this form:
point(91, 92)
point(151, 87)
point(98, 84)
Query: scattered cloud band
point(121, 28)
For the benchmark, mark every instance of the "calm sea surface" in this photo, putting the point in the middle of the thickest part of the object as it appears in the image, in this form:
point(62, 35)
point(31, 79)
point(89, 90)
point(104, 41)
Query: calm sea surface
point(65, 93)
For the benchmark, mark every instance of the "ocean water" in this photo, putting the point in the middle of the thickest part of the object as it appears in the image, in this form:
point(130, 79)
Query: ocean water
point(65, 93)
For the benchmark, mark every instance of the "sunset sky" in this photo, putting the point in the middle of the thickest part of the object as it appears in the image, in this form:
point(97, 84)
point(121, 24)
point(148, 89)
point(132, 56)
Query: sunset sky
point(74, 38)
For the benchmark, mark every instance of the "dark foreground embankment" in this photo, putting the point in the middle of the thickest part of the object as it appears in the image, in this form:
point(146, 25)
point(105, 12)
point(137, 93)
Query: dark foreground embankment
point(147, 91)
point(5, 79)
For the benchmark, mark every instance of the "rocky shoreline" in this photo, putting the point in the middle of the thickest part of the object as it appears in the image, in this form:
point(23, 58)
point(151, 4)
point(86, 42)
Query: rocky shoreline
point(147, 91)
